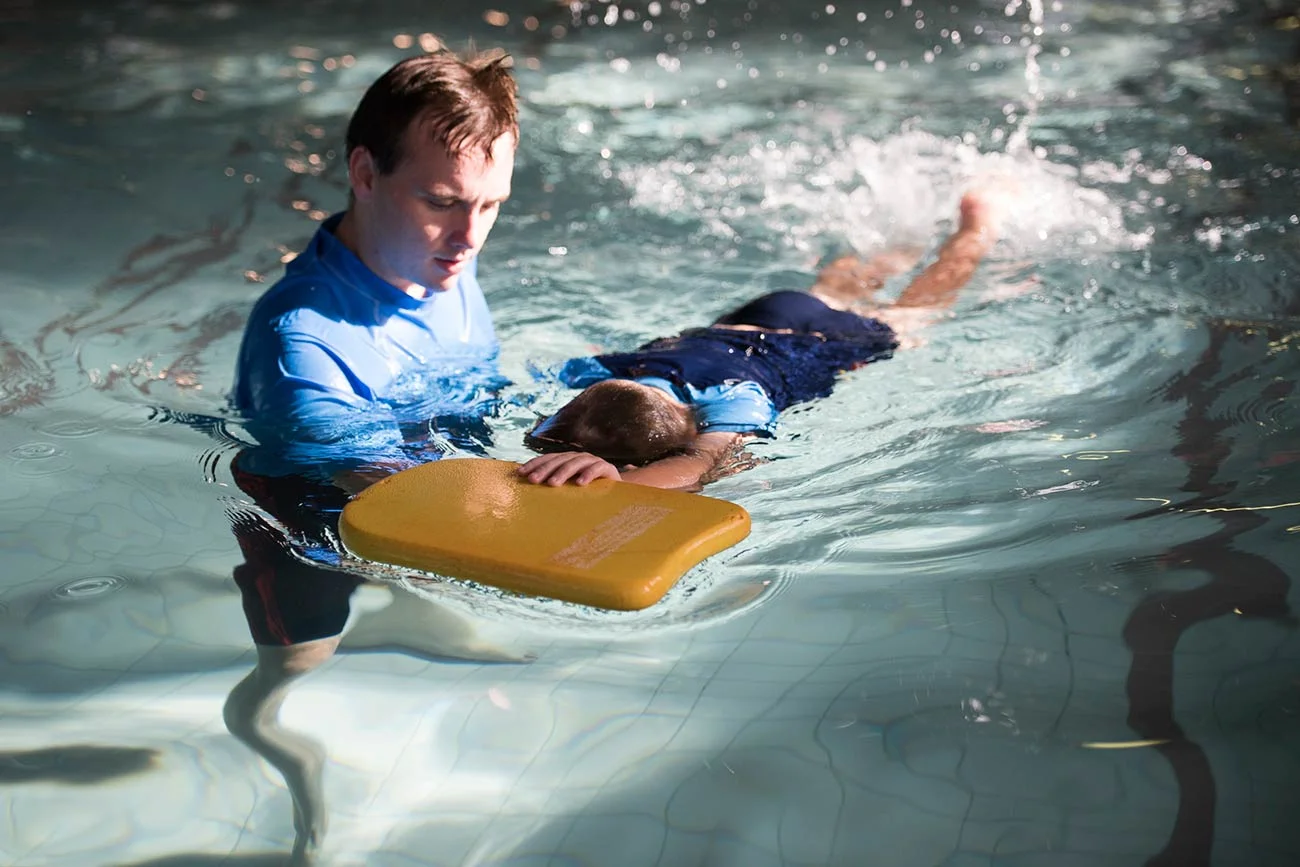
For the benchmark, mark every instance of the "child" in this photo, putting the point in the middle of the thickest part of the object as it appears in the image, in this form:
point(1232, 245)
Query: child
point(672, 413)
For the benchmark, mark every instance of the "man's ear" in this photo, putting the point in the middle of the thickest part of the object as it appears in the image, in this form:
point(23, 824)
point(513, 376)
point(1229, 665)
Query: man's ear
point(362, 172)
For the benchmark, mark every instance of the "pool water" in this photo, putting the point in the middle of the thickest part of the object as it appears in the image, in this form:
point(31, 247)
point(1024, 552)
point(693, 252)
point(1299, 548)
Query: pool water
point(1021, 595)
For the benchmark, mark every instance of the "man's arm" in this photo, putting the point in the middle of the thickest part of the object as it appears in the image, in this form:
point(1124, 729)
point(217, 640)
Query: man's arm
point(310, 419)
point(700, 464)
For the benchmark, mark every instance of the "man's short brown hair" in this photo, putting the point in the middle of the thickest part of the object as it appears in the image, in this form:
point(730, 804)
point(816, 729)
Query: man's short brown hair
point(466, 102)
point(617, 420)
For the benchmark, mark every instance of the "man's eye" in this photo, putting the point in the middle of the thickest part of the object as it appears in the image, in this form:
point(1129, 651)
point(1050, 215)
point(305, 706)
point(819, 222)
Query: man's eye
point(440, 204)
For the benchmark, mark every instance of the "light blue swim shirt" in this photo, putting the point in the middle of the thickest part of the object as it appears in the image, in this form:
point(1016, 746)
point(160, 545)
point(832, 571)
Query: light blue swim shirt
point(339, 369)
point(740, 406)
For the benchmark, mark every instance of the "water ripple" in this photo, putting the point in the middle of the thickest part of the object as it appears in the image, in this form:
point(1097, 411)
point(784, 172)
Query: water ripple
point(209, 461)
point(1267, 409)
point(39, 459)
point(85, 588)
point(72, 428)
point(35, 451)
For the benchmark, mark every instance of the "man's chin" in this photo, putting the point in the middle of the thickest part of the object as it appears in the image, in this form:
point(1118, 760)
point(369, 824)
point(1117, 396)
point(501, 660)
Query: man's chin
point(428, 287)
point(443, 278)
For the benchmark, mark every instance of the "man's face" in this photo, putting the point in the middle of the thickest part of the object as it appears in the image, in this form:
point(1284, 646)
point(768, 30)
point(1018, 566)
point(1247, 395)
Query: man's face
point(422, 225)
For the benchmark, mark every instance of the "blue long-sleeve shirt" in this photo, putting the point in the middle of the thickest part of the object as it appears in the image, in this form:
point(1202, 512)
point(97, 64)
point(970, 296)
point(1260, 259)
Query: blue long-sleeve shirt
point(334, 360)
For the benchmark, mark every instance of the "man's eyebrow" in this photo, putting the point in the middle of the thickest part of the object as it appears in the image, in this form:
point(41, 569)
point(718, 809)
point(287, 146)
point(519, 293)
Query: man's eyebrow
point(457, 197)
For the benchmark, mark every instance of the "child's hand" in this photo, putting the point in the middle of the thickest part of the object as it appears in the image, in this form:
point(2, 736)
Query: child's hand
point(559, 467)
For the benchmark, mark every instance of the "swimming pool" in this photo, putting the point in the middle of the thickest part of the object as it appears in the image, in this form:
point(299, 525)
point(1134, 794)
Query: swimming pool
point(1021, 595)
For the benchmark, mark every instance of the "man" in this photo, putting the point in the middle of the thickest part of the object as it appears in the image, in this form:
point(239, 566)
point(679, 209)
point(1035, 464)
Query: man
point(377, 326)
point(384, 303)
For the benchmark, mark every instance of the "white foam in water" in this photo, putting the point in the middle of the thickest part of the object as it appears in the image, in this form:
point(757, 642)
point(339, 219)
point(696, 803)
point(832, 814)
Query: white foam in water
point(876, 193)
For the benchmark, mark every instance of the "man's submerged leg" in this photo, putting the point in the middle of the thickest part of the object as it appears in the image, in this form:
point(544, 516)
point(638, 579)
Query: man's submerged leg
point(251, 714)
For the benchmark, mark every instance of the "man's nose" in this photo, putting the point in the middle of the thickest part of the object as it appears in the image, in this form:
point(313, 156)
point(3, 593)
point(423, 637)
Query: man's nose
point(471, 228)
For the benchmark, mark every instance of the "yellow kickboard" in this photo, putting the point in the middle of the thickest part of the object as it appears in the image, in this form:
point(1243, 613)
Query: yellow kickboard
point(609, 544)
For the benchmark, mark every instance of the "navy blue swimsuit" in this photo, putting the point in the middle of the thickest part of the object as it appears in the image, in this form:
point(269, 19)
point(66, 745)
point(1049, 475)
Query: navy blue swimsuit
point(790, 367)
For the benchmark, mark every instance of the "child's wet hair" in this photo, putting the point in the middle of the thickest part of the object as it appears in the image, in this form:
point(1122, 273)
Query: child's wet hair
point(619, 421)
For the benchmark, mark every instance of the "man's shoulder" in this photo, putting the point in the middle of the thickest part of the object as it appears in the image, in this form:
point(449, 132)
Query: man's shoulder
point(304, 294)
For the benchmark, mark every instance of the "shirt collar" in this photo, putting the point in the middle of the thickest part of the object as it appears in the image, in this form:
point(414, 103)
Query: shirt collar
point(334, 255)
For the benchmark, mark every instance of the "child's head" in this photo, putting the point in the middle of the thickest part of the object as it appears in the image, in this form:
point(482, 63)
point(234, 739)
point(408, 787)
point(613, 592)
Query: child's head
point(620, 421)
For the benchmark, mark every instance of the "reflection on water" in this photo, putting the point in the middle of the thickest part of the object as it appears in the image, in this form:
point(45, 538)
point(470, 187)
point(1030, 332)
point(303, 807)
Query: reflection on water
point(1022, 594)
point(1241, 584)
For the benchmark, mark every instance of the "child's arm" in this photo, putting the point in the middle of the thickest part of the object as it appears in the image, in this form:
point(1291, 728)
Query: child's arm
point(691, 470)
point(688, 471)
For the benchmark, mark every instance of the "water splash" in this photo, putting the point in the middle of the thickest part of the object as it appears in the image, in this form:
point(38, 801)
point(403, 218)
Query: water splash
point(869, 194)
point(1018, 141)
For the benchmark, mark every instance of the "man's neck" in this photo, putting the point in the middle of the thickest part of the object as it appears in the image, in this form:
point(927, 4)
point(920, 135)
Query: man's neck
point(346, 234)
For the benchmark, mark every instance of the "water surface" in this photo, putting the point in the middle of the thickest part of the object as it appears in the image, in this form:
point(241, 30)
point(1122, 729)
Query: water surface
point(1020, 595)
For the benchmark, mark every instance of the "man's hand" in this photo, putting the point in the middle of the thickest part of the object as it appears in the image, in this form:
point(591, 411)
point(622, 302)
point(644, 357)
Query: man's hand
point(559, 467)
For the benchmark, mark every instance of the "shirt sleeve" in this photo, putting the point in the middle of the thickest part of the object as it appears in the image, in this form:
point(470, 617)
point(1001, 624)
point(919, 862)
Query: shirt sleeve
point(582, 372)
point(741, 407)
point(310, 419)
point(312, 391)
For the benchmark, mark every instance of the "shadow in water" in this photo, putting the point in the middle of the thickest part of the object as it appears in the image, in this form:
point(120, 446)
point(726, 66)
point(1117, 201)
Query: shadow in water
point(196, 859)
point(45, 647)
point(1241, 583)
point(81, 764)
